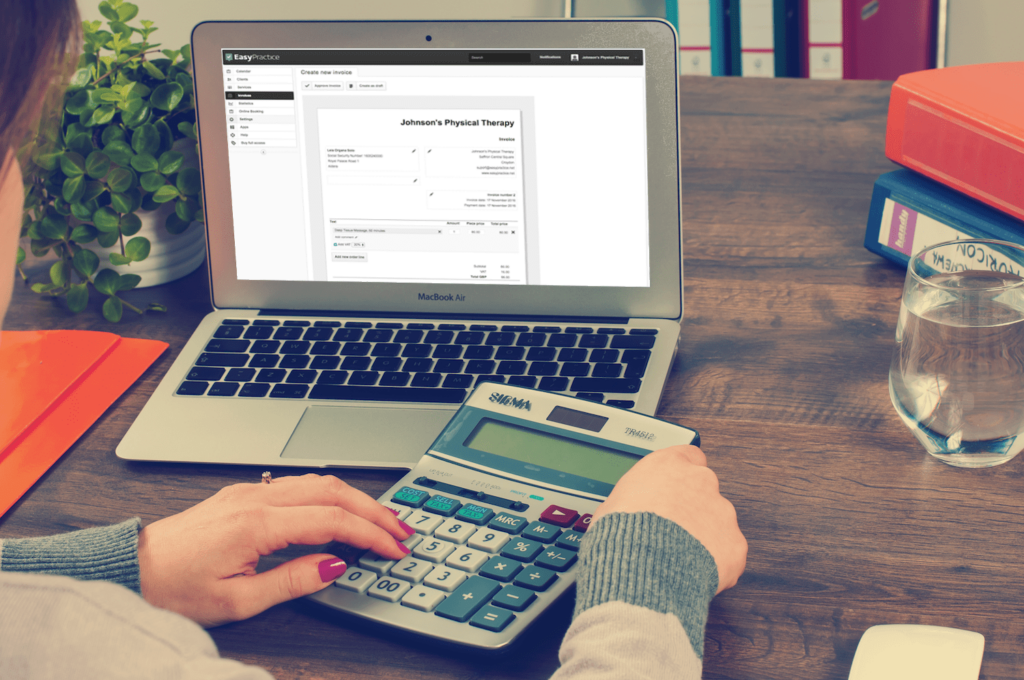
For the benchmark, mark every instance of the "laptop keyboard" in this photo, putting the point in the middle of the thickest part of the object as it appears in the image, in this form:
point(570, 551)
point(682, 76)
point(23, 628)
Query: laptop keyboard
point(416, 362)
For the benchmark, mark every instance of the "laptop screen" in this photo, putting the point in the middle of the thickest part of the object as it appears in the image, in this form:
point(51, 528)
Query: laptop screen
point(508, 167)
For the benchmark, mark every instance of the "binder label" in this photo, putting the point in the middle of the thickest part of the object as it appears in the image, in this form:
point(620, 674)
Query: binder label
point(901, 229)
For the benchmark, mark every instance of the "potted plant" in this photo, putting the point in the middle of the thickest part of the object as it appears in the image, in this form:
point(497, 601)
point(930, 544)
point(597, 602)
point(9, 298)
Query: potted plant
point(119, 154)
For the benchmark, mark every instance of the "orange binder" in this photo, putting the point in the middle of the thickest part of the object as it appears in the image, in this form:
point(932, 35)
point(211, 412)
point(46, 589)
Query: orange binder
point(54, 385)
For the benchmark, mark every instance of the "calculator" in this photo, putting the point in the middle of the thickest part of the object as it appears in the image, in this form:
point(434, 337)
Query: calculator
point(500, 503)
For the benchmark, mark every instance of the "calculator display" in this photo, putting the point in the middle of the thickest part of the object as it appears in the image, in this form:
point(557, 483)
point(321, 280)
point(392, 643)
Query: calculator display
point(564, 454)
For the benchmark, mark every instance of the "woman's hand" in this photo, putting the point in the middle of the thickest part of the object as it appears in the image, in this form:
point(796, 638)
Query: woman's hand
point(202, 562)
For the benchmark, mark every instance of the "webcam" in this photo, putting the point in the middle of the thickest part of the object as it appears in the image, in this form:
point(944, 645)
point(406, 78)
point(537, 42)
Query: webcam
point(429, 38)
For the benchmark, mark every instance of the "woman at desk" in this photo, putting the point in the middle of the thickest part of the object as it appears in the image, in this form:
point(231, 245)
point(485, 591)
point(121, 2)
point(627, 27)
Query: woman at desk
point(110, 599)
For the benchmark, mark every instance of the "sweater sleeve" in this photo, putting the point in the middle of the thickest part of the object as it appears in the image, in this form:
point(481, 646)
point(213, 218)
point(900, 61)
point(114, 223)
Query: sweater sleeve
point(98, 554)
point(642, 595)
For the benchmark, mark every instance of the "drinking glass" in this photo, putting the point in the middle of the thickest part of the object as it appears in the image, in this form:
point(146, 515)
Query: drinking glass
point(957, 372)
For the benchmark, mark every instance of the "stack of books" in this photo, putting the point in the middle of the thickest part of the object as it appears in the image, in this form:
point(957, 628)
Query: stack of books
point(959, 132)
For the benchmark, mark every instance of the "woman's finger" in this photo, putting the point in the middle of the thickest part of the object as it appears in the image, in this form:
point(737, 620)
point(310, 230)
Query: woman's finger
point(318, 524)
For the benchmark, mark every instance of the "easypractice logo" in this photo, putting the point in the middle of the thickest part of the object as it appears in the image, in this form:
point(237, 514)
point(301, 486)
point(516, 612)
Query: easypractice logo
point(228, 56)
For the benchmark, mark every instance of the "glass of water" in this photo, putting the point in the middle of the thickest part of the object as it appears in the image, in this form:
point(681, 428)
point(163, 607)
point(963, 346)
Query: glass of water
point(957, 372)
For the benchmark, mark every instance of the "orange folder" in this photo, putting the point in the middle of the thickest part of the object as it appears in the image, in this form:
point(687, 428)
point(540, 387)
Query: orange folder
point(53, 386)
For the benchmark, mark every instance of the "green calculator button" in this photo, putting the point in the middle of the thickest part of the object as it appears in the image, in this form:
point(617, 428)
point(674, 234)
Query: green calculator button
point(442, 505)
point(477, 514)
point(513, 524)
point(410, 496)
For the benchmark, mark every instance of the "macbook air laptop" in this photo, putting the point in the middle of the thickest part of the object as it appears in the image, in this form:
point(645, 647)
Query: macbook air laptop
point(397, 212)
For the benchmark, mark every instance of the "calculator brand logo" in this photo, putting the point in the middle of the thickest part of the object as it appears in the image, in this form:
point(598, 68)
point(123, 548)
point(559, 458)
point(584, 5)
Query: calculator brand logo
point(506, 400)
point(641, 434)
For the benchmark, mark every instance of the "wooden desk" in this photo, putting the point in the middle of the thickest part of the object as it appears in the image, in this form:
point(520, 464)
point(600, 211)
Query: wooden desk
point(787, 336)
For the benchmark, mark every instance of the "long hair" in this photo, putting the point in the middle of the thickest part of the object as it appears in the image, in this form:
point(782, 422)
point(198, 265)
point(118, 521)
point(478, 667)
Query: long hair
point(39, 44)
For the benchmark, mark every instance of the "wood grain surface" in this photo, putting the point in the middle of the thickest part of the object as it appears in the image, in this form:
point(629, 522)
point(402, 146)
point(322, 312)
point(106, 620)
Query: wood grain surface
point(787, 337)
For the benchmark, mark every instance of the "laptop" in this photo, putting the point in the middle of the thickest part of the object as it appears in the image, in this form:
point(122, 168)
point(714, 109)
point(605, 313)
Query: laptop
point(397, 212)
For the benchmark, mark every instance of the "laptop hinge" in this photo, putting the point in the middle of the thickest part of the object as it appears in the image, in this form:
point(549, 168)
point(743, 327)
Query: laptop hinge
point(507, 318)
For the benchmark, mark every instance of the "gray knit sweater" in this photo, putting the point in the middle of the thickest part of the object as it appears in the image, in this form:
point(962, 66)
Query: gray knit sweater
point(643, 590)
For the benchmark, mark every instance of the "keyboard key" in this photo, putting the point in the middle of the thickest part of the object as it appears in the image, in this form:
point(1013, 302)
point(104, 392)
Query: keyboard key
point(270, 375)
point(356, 580)
point(469, 338)
point(229, 332)
point(235, 322)
point(492, 619)
point(411, 569)
point(264, 360)
point(513, 524)
point(204, 373)
point(498, 338)
point(617, 385)
point(265, 346)
point(531, 339)
point(327, 324)
point(420, 326)
point(393, 379)
point(265, 322)
point(515, 329)
point(219, 359)
point(611, 331)
point(332, 378)
point(301, 377)
point(295, 347)
point(240, 375)
point(535, 578)
point(513, 597)
point(227, 345)
point(559, 516)
point(591, 396)
point(375, 563)
point(258, 333)
point(488, 540)
point(449, 366)
point(356, 363)
point(458, 381)
point(424, 523)
point(570, 540)
point(509, 353)
point(607, 370)
point(557, 559)
point(386, 364)
point(417, 365)
point(452, 327)
point(594, 341)
point(474, 514)
point(478, 352)
point(572, 354)
point(578, 329)
point(643, 331)
point(447, 352)
point(254, 390)
point(554, 384)
point(364, 378)
point(322, 363)
point(347, 335)
point(408, 336)
point(522, 380)
point(439, 337)
point(467, 559)
point(541, 354)
point(193, 388)
point(294, 361)
point(522, 549)
point(512, 368)
point(358, 324)
point(483, 327)
point(433, 550)
point(417, 351)
point(422, 598)
point(583, 523)
point(285, 333)
point(636, 356)
point(543, 368)
point(378, 336)
point(355, 349)
point(501, 569)
point(445, 578)
point(318, 334)
point(547, 329)
point(545, 533)
point(489, 378)
point(635, 370)
point(389, 589)
point(442, 505)
point(283, 391)
point(325, 348)
point(467, 599)
point(639, 341)
point(480, 366)
point(621, 403)
point(295, 322)
point(222, 389)
point(407, 495)
point(604, 356)
point(430, 395)
point(426, 380)
point(562, 340)
point(575, 369)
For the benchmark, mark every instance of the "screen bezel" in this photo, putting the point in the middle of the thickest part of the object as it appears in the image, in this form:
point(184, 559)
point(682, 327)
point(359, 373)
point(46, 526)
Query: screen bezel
point(662, 299)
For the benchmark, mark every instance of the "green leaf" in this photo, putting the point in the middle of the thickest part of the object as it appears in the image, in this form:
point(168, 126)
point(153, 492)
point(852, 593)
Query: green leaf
point(128, 281)
point(72, 164)
point(42, 287)
point(20, 257)
point(121, 203)
point(78, 104)
point(97, 164)
point(106, 281)
point(47, 161)
point(134, 119)
point(119, 152)
point(156, 307)
point(86, 262)
point(166, 136)
point(120, 180)
point(102, 115)
point(112, 309)
point(183, 210)
point(62, 207)
point(127, 11)
point(80, 79)
point(174, 224)
point(81, 212)
point(170, 54)
point(146, 139)
point(165, 193)
point(83, 233)
point(124, 30)
point(152, 70)
point(186, 55)
point(130, 224)
point(144, 162)
point(78, 296)
point(80, 143)
point(119, 259)
point(137, 249)
point(74, 188)
point(52, 227)
point(111, 96)
point(59, 273)
point(105, 219)
point(93, 190)
point(167, 96)
point(109, 12)
point(170, 161)
point(187, 129)
point(152, 181)
point(188, 182)
point(112, 134)
point(107, 239)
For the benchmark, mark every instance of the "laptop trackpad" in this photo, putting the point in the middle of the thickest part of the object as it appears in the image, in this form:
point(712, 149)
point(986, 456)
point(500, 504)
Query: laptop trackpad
point(366, 437)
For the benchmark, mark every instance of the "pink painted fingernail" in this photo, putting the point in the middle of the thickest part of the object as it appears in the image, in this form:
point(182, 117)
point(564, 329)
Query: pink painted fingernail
point(408, 529)
point(331, 569)
point(393, 511)
point(402, 547)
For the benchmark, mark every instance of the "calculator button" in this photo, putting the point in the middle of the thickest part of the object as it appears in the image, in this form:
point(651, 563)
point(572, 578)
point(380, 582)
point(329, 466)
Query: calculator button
point(433, 550)
point(501, 569)
point(542, 532)
point(515, 598)
point(467, 559)
point(389, 589)
point(423, 523)
point(411, 569)
point(442, 505)
point(583, 523)
point(477, 514)
point(513, 524)
point(489, 540)
point(456, 531)
point(356, 580)
point(424, 599)
point(559, 516)
point(401, 512)
point(412, 541)
point(570, 540)
point(522, 549)
point(492, 619)
point(407, 495)
point(445, 578)
point(375, 563)
point(534, 578)
point(558, 559)
point(467, 599)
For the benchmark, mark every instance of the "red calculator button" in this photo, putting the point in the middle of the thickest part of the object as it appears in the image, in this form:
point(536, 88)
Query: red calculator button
point(559, 516)
point(583, 523)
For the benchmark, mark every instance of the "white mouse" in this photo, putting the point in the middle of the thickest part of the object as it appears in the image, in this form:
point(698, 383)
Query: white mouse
point(907, 652)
